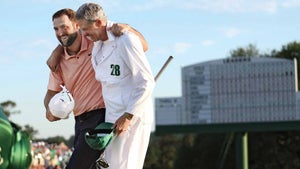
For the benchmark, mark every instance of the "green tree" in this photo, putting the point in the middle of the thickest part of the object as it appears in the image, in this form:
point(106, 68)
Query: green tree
point(8, 108)
point(30, 131)
point(168, 146)
point(56, 140)
point(70, 141)
point(153, 154)
point(248, 51)
point(203, 151)
point(274, 150)
point(290, 51)
point(185, 152)
point(162, 152)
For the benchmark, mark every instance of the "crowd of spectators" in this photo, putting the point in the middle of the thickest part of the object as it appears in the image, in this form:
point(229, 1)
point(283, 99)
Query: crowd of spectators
point(49, 156)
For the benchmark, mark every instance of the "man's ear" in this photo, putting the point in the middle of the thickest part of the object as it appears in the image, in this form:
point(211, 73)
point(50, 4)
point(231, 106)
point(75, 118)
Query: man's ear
point(99, 23)
point(76, 25)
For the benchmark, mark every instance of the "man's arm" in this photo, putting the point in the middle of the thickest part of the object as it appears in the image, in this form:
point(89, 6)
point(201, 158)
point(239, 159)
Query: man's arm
point(47, 99)
point(118, 28)
point(54, 58)
point(141, 37)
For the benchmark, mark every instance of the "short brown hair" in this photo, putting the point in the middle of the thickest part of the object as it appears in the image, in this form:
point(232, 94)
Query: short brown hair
point(69, 12)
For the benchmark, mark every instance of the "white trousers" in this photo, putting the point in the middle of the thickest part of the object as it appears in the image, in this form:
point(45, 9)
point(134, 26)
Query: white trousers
point(128, 150)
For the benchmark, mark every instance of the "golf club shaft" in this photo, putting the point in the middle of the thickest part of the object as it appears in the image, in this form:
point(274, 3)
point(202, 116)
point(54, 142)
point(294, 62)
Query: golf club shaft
point(163, 67)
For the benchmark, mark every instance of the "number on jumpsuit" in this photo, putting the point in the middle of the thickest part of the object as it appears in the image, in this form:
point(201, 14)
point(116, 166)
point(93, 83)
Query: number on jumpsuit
point(115, 70)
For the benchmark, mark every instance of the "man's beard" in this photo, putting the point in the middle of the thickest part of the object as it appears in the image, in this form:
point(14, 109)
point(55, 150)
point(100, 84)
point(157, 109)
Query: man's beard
point(70, 41)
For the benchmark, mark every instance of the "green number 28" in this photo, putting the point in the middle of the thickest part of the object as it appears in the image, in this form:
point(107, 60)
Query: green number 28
point(115, 70)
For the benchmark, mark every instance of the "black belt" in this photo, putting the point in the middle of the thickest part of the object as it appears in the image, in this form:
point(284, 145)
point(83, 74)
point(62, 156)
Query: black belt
point(84, 116)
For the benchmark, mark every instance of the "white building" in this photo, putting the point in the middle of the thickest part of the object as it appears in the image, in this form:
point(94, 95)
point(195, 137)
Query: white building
point(236, 90)
point(168, 111)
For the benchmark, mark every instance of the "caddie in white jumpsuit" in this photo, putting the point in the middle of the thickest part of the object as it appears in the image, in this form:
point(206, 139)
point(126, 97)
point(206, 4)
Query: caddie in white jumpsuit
point(127, 84)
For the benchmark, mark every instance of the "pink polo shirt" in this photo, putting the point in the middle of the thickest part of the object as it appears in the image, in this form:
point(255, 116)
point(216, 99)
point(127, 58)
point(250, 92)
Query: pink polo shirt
point(77, 74)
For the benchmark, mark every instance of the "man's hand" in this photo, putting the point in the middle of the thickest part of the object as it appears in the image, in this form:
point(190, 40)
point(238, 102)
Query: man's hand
point(47, 99)
point(119, 28)
point(122, 123)
point(50, 117)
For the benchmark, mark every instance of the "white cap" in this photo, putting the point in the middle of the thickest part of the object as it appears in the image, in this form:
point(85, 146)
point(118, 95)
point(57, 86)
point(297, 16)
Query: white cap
point(62, 104)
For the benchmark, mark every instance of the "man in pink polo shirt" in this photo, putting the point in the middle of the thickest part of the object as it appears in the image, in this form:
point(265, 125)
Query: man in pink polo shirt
point(76, 73)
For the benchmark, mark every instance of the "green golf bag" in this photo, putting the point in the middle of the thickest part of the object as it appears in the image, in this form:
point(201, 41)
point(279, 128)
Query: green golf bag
point(15, 150)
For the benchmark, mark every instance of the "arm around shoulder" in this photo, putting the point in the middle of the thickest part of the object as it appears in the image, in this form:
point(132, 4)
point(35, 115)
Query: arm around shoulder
point(118, 29)
point(54, 59)
point(141, 37)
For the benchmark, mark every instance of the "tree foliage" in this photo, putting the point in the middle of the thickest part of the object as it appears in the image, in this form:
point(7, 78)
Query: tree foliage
point(266, 150)
point(186, 151)
point(162, 153)
point(56, 140)
point(8, 108)
point(248, 51)
point(30, 131)
point(274, 150)
point(290, 51)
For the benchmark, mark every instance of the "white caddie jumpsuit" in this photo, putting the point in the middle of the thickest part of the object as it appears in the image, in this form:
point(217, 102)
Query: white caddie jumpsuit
point(127, 84)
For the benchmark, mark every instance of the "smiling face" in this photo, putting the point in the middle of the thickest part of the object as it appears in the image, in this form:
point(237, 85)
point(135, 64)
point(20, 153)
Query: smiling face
point(93, 30)
point(65, 30)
